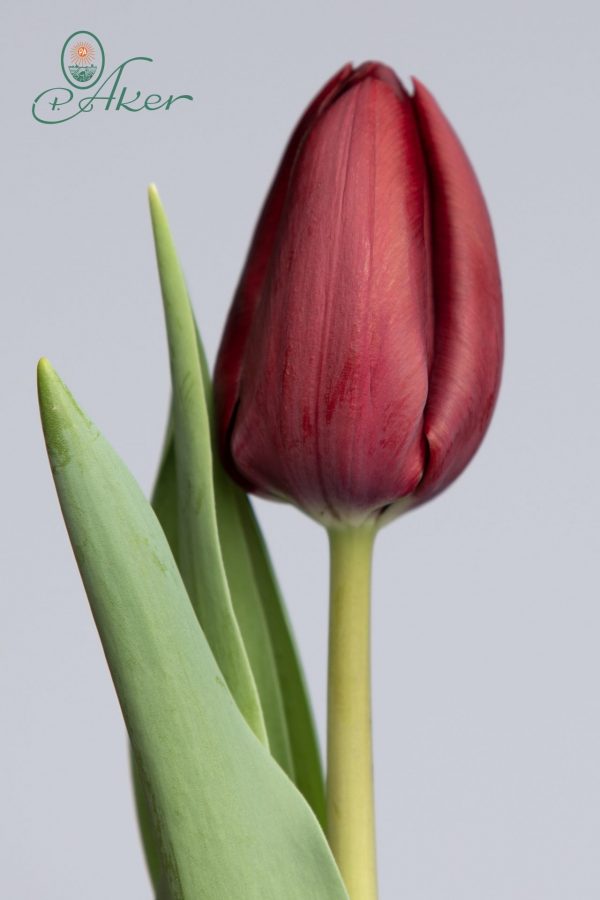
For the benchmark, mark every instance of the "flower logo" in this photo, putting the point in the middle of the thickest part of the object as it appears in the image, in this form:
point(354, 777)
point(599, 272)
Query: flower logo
point(82, 59)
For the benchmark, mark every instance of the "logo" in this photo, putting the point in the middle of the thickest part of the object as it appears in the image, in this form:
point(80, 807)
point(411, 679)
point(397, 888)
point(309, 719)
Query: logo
point(82, 59)
point(82, 62)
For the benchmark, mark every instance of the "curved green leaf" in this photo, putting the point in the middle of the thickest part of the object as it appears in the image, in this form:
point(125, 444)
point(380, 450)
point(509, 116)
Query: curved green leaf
point(256, 598)
point(231, 825)
point(253, 624)
point(199, 556)
point(298, 712)
point(146, 826)
point(164, 503)
point(164, 496)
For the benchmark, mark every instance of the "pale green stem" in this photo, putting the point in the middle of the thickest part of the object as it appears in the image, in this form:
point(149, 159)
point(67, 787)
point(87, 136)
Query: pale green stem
point(350, 807)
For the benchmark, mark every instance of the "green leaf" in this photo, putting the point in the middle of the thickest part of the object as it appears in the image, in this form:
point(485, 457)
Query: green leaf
point(164, 497)
point(146, 826)
point(199, 550)
point(298, 712)
point(231, 825)
point(253, 624)
point(164, 503)
point(256, 598)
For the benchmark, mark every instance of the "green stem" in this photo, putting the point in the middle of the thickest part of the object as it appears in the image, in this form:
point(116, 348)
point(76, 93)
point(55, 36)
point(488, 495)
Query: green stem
point(350, 807)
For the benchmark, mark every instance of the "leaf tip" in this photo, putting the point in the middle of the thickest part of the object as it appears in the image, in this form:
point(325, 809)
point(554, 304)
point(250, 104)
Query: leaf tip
point(51, 396)
point(46, 378)
point(154, 200)
point(44, 367)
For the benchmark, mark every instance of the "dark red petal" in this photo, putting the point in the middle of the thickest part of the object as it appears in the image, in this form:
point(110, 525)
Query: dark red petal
point(467, 365)
point(379, 71)
point(335, 373)
point(240, 316)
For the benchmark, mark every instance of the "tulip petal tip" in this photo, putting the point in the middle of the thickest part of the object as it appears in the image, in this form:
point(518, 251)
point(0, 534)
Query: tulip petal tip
point(416, 84)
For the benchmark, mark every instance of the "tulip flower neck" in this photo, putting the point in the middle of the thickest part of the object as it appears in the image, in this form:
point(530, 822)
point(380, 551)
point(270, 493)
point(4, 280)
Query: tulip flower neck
point(350, 808)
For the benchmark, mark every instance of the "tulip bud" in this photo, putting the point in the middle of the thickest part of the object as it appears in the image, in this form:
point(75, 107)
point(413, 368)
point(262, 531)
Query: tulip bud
point(361, 359)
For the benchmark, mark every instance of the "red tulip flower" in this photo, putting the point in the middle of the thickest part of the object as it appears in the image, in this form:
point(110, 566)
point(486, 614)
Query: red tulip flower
point(361, 359)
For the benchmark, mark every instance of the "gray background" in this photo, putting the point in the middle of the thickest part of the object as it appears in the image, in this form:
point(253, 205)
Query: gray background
point(486, 617)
